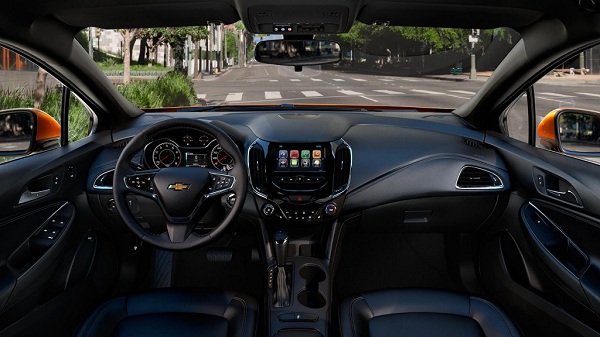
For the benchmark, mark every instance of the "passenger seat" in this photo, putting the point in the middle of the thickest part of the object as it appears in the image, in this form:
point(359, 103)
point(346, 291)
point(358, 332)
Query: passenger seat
point(422, 313)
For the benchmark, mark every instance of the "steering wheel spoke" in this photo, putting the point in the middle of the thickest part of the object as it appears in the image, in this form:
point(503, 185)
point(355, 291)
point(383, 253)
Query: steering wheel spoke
point(179, 232)
point(221, 183)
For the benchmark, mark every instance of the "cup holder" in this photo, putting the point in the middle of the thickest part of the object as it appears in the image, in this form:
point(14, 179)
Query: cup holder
point(310, 296)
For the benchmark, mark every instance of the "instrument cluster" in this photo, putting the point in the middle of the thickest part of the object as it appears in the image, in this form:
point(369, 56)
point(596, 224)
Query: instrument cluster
point(186, 147)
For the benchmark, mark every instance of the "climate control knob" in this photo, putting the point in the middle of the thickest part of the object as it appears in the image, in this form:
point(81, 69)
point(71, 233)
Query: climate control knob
point(268, 209)
point(331, 209)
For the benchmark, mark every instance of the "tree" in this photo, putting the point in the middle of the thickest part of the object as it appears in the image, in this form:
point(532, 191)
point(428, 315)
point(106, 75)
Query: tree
point(129, 36)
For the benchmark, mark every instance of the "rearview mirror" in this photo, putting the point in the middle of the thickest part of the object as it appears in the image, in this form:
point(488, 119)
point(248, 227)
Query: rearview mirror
point(298, 52)
point(572, 131)
point(23, 131)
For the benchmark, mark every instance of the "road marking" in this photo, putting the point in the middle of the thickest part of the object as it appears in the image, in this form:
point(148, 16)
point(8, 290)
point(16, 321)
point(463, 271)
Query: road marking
point(338, 80)
point(273, 80)
point(232, 97)
point(462, 92)
point(350, 92)
point(316, 79)
point(201, 96)
point(294, 79)
point(359, 79)
point(410, 80)
point(587, 94)
point(389, 92)
point(370, 99)
point(272, 95)
point(554, 94)
point(311, 94)
point(427, 92)
point(386, 80)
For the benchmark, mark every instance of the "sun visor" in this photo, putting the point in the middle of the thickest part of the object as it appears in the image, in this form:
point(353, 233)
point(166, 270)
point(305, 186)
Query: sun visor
point(399, 13)
point(149, 15)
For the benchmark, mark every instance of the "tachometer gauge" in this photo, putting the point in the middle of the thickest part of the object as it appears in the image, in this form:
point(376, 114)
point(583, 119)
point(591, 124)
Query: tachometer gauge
point(166, 154)
point(220, 159)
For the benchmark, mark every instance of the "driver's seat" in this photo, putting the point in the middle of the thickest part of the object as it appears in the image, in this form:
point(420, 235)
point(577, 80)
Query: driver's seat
point(174, 312)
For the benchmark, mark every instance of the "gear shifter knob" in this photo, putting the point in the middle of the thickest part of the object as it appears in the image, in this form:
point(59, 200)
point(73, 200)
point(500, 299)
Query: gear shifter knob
point(281, 243)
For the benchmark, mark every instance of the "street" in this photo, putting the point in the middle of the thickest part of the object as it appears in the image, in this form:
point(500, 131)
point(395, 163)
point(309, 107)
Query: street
point(260, 84)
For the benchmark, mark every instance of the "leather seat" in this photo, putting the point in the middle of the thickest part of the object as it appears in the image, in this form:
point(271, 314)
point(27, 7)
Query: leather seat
point(422, 313)
point(174, 312)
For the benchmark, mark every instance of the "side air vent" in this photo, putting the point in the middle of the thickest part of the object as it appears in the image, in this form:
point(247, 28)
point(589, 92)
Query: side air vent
point(474, 143)
point(104, 181)
point(120, 144)
point(475, 178)
point(258, 171)
point(342, 166)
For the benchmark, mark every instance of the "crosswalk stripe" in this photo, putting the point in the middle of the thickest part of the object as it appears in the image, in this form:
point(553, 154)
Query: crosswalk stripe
point(462, 92)
point(294, 79)
point(311, 94)
point(272, 95)
point(232, 97)
point(554, 94)
point(389, 92)
point(386, 80)
point(338, 80)
point(273, 80)
point(316, 79)
point(410, 80)
point(201, 96)
point(588, 94)
point(427, 92)
point(359, 79)
point(350, 92)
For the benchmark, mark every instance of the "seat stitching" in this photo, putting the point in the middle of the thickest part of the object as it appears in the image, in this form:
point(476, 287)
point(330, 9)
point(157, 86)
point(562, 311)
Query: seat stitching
point(352, 313)
point(245, 312)
point(497, 312)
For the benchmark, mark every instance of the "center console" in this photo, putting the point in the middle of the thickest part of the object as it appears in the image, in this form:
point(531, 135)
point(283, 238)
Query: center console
point(300, 190)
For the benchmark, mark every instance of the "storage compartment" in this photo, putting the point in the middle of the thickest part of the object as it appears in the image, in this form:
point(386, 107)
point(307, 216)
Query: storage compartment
point(310, 296)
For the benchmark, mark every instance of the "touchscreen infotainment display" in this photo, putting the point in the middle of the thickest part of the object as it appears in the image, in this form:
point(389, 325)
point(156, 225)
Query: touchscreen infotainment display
point(300, 157)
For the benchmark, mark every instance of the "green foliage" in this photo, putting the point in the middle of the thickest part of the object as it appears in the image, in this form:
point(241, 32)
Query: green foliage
point(172, 89)
point(82, 38)
point(79, 118)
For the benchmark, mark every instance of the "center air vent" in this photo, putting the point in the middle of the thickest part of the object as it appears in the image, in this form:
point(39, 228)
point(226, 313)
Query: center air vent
point(258, 171)
point(476, 178)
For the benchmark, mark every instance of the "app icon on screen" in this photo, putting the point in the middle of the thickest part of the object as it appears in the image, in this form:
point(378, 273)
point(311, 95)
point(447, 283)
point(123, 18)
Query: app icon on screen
point(294, 154)
point(305, 162)
point(294, 163)
point(283, 162)
point(316, 163)
point(305, 154)
point(317, 154)
point(283, 154)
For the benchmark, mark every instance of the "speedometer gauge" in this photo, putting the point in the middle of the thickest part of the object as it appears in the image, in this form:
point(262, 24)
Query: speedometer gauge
point(220, 159)
point(166, 154)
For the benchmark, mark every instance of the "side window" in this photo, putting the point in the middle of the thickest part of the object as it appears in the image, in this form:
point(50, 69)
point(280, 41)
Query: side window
point(24, 85)
point(567, 108)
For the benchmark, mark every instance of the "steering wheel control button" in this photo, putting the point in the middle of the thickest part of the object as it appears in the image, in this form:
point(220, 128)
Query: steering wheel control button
point(140, 182)
point(221, 183)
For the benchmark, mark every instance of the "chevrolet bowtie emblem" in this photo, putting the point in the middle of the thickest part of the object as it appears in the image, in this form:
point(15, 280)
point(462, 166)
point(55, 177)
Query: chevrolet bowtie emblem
point(178, 186)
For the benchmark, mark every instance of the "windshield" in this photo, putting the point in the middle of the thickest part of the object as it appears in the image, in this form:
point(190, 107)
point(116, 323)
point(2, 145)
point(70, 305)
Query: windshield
point(380, 65)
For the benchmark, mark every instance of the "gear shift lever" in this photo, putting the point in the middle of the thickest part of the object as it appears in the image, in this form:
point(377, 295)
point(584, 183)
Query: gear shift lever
point(282, 294)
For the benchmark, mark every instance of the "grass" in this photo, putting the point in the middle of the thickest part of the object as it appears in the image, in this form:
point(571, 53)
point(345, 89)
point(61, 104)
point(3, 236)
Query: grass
point(171, 89)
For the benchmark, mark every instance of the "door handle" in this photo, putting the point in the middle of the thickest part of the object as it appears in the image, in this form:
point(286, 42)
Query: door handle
point(564, 194)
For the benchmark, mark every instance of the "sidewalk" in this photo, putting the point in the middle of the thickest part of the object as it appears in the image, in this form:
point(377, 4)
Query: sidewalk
point(548, 79)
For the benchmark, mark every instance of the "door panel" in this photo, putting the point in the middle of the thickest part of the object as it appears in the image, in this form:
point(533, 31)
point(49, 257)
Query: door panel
point(542, 258)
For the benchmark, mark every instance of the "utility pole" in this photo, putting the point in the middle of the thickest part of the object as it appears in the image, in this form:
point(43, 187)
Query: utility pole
point(582, 63)
point(226, 63)
point(211, 47)
point(90, 43)
point(220, 47)
point(473, 38)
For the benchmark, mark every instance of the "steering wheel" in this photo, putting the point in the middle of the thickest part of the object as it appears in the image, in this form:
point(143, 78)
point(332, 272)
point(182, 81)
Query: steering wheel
point(181, 192)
